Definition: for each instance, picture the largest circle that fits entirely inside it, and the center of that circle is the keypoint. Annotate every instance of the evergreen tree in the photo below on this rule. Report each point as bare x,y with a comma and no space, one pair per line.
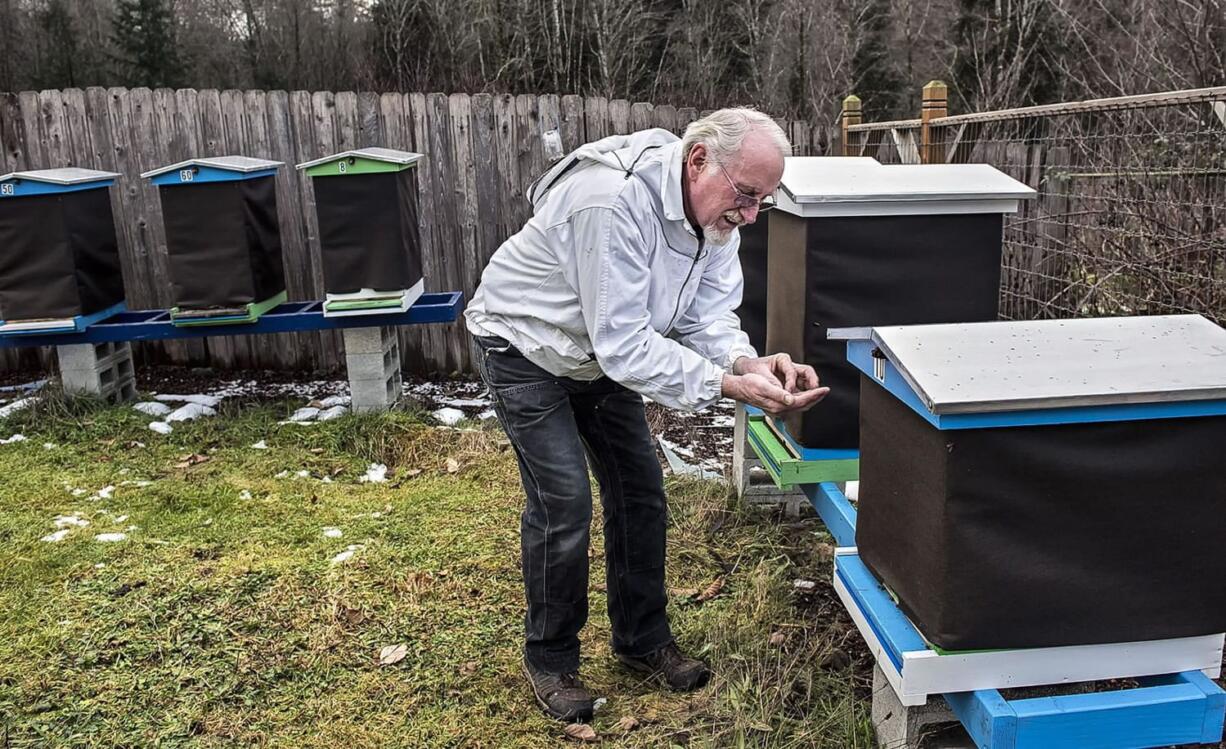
144,33
873,68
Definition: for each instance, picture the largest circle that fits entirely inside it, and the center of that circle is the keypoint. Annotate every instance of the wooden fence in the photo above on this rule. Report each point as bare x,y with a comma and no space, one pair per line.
481,151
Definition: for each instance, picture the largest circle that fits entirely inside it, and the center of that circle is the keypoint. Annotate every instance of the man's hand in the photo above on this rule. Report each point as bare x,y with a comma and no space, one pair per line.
787,374
774,384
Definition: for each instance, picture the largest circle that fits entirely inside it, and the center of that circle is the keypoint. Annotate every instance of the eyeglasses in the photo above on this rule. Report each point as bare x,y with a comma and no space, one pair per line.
764,204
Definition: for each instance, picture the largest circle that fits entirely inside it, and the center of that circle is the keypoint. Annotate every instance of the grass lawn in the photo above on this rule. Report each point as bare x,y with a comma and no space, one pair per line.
222,618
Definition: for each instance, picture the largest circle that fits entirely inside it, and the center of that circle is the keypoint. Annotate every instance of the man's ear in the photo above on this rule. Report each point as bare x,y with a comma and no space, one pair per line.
697,160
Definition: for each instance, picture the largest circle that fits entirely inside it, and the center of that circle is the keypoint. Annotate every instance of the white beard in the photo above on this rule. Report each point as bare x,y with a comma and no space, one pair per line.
716,235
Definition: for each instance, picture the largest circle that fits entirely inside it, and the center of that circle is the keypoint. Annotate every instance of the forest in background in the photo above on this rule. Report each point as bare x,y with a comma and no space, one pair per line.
792,58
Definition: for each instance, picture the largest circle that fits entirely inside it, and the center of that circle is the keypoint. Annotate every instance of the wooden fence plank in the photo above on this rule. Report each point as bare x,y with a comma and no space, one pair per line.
640,116
596,118
431,262
619,117
446,228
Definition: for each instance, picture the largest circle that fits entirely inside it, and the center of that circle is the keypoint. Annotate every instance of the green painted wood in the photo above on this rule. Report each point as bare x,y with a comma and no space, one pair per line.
786,471
354,165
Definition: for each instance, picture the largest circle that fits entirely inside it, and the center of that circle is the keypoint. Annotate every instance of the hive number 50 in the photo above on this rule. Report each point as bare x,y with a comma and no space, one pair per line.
6,189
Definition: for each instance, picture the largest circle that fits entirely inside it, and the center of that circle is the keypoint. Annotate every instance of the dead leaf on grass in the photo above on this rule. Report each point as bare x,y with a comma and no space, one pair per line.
453,465
412,472
193,460
627,724
683,592
777,639
393,654
715,588
468,669
580,732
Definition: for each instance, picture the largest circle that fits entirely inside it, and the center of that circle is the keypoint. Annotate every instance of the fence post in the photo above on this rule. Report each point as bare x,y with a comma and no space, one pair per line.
849,116
935,104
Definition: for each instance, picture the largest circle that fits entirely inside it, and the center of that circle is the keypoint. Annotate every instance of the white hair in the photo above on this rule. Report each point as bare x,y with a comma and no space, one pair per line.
724,130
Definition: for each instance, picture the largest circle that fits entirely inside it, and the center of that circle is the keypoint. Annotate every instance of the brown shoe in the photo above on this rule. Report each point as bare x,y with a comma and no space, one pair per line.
671,667
561,696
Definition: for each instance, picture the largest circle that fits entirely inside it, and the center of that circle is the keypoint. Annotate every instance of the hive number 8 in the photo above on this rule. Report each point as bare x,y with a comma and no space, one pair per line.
6,189
342,167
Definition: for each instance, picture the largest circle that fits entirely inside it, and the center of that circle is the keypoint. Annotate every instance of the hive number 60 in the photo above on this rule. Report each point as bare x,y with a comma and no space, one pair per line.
185,175
6,189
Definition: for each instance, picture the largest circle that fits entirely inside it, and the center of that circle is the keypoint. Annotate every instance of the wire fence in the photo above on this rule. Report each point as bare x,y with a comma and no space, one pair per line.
1130,217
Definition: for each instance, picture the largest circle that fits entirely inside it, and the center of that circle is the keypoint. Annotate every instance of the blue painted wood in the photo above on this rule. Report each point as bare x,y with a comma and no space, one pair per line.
24,188
1125,719
893,629
835,510
75,325
859,353
151,325
206,174
987,717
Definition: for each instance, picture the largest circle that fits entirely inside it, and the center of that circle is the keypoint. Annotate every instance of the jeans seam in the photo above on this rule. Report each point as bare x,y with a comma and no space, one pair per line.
612,475
536,486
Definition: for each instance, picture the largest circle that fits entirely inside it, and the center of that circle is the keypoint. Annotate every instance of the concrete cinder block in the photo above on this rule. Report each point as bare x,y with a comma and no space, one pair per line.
368,340
372,359
930,726
372,396
103,370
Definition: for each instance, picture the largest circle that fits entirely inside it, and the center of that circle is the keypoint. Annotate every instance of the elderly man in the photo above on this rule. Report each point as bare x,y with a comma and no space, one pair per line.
622,286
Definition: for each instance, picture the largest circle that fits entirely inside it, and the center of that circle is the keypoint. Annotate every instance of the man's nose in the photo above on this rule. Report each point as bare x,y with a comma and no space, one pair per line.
750,214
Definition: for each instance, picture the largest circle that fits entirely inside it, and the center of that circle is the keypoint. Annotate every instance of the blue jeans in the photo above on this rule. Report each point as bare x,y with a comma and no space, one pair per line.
558,427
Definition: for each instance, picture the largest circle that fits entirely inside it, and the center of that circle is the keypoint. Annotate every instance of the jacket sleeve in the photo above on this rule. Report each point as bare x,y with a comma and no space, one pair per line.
612,269
710,325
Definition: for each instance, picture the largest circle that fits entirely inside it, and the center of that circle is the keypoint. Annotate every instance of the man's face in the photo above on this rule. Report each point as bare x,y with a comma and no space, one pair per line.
755,171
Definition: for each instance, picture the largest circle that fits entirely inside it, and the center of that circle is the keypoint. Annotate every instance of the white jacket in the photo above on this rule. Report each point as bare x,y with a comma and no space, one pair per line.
609,278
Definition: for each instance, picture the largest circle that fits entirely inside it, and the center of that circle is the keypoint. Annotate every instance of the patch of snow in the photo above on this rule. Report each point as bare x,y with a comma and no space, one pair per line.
490,414
106,492
70,521
347,554
15,406
244,494
326,479
852,490
14,438
198,399
448,416
333,533
153,408
121,518
49,445
305,414
302,474
110,538
161,427
79,492
190,412
465,402
54,538
333,413
376,474
281,475
261,445
335,400
682,451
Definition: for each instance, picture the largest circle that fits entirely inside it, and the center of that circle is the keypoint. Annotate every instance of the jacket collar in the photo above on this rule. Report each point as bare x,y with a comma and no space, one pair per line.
670,186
